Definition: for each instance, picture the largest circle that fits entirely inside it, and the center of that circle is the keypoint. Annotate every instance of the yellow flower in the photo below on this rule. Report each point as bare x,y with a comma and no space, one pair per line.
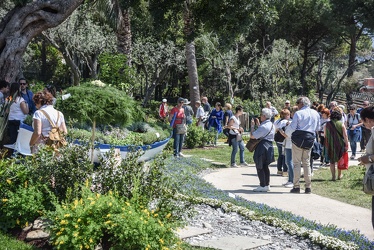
61,242
25,184
92,203
110,192
155,215
86,183
62,229
161,241
79,220
108,222
9,181
168,215
91,241
81,201
97,195
58,233
4,200
80,247
67,215
17,221
108,215
127,203
64,222
90,198
110,204
76,226
75,234
130,212
76,202
26,224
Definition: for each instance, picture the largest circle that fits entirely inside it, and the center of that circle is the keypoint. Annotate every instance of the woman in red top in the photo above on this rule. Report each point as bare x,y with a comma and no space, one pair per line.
178,111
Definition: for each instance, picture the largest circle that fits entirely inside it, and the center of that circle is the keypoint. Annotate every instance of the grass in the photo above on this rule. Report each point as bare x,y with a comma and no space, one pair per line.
8,243
347,190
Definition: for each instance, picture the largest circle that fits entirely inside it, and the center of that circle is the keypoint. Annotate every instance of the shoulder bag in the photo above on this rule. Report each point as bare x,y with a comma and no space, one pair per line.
182,128
252,143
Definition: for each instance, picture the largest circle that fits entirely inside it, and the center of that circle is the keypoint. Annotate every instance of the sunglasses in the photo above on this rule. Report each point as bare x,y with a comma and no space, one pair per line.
22,83
352,109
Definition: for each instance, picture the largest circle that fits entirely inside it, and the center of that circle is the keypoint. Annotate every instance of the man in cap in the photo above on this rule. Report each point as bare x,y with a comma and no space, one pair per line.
163,111
287,105
188,111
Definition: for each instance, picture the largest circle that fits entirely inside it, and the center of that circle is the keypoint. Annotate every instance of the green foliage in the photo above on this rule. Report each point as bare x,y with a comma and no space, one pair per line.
100,103
9,243
197,137
120,222
22,206
63,173
115,72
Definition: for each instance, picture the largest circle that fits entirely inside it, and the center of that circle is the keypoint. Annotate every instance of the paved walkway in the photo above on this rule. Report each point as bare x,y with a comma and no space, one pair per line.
241,181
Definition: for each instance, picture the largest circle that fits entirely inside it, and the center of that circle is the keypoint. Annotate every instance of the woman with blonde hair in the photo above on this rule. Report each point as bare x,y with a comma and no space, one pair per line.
42,119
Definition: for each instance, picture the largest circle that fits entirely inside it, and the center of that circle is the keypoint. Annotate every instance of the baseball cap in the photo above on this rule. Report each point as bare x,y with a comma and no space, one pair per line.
164,100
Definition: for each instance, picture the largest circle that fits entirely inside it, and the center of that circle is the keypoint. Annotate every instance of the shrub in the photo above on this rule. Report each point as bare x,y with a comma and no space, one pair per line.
64,172
111,221
197,137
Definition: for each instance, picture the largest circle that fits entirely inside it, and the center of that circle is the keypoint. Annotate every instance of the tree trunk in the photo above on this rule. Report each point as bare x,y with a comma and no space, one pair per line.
192,74
191,55
22,24
124,35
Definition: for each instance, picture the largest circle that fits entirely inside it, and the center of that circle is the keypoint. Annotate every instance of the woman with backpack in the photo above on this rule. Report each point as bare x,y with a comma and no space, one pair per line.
44,120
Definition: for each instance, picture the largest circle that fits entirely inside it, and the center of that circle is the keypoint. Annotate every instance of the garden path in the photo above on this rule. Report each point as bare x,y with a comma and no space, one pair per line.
241,181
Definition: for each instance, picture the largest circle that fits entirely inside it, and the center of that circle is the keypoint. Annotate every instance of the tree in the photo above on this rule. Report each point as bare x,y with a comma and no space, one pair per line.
22,23
81,40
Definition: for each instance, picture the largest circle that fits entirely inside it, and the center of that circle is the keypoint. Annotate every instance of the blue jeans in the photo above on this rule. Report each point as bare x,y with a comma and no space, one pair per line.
235,144
353,138
178,142
289,163
281,165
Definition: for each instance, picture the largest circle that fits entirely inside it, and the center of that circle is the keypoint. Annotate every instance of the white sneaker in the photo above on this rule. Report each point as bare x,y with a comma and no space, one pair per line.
267,188
234,165
244,164
288,185
261,189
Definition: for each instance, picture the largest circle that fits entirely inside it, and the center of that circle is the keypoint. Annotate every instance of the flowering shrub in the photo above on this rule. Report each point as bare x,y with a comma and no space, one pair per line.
111,221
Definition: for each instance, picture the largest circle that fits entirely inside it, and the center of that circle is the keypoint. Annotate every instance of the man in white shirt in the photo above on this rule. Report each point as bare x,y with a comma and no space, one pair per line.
303,129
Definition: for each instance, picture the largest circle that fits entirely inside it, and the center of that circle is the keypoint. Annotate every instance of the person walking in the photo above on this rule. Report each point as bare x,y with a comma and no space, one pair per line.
336,141
354,129
188,112
288,150
226,118
280,125
235,138
367,116
264,152
215,120
304,126
163,110
199,114
177,114
365,132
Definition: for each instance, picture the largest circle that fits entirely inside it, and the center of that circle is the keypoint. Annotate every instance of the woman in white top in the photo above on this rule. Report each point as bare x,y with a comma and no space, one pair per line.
42,127
235,139
17,112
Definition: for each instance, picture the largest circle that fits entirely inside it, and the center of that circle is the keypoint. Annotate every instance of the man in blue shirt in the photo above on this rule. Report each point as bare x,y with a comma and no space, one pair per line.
27,95
303,128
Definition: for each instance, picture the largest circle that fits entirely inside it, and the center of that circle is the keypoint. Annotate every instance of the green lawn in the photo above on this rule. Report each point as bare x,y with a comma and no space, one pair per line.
348,190
8,243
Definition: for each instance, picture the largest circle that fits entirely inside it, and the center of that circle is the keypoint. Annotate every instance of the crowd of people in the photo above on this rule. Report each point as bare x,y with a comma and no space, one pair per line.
295,130
18,101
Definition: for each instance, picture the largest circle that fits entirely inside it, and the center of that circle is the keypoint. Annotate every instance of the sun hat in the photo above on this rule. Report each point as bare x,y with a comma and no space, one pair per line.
288,102
164,100
186,101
